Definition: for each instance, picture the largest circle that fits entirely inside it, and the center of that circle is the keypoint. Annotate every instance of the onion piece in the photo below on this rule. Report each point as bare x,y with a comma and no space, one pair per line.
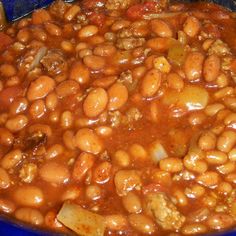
157,151
39,55
161,15
81,221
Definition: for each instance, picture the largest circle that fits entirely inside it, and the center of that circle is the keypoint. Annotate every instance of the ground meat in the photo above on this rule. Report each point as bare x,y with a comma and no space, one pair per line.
119,4
28,172
164,211
130,43
132,115
219,48
114,118
58,9
54,63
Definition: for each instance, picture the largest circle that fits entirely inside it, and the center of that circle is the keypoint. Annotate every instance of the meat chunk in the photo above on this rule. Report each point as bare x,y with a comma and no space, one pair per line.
164,211
28,172
54,63
119,4
130,43
219,48
58,9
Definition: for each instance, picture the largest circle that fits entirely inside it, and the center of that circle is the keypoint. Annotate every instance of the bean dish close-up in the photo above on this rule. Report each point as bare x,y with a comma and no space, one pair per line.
118,117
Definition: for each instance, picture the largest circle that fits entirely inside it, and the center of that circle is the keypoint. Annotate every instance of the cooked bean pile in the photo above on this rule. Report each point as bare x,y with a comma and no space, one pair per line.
125,109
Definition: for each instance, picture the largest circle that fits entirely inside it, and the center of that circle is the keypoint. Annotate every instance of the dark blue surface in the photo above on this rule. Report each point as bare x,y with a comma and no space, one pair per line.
15,9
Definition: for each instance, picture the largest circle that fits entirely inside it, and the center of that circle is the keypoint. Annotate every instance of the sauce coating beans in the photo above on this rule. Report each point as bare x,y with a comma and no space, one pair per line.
118,117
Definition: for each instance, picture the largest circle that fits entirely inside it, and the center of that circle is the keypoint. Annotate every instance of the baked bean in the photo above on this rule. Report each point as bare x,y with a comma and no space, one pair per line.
13,81
224,188
50,220
18,106
83,163
104,50
6,137
72,12
51,101
67,119
93,192
121,158
11,159
224,92
207,141
213,109
94,62
192,164
180,197
40,16
5,181
48,170
151,83
211,68
209,201
37,109
216,157
67,46
126,181
67,88
87,31
23,35
40,88
95,40
71,193
161,177
196,191
208,179
230,119
193,66
40,34
226,141
222,80
192,26
138,152
132,203
118,96
29,215
45,129
226,168
28,195
120,24
116,222
231,178
232,155
102,173
52,29
159,44
7,206
220,221
69,139
54,151
161,28
96,102
199,215
7,70
79,73
175,81
16,123
104,131
88,141
171,164
85,52
194,228
142,223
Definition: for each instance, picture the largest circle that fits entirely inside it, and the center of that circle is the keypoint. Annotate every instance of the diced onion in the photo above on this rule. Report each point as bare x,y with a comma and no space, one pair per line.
157,151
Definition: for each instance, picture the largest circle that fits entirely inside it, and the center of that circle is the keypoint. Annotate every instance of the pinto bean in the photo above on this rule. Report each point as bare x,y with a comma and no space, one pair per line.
211,68
67,88
192,26
79,73
11,159
161,28
118,96
96,102
151,83
40,88
88,141
193,66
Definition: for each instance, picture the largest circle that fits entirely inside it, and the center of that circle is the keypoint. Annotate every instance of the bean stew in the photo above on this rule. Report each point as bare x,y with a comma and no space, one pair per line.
118,117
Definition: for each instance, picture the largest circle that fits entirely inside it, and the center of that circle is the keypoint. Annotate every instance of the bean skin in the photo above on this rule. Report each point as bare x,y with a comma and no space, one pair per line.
40,88
95,103
88,141
118,96
193,66
211,68
29,195
151,83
